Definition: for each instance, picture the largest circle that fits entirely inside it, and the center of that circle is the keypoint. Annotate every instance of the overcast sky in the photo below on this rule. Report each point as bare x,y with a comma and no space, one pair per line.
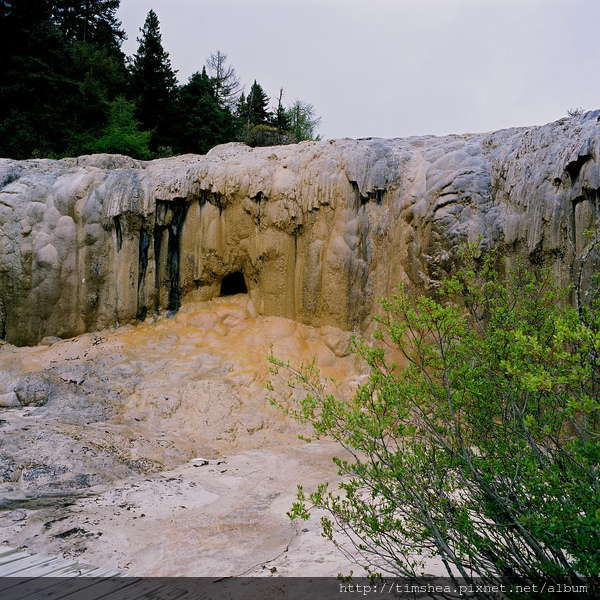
395,68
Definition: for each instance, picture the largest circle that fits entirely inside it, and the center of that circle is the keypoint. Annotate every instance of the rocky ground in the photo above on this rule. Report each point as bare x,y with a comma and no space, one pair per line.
217,518
152,449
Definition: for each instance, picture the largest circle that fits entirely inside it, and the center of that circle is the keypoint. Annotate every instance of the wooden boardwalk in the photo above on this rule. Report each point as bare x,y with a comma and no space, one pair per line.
26,576
19,563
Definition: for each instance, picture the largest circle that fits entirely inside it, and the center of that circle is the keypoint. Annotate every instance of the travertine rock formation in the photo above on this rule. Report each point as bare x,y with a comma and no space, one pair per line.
151,449
315,231
141,399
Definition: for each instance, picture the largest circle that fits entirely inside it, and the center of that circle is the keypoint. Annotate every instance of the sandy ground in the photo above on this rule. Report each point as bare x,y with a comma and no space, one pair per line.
153,450
217,518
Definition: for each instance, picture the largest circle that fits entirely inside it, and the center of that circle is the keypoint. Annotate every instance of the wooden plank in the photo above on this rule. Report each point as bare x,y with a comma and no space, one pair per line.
77,588
27,576
13,569
48,569
75,570
147,588
18,563
103,588
139,590
174,593
7,551
99,572
12,555
49,588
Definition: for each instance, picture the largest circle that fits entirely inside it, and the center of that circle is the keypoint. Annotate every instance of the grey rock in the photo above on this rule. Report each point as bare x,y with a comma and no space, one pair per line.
9,400
319,230
35,389
10,517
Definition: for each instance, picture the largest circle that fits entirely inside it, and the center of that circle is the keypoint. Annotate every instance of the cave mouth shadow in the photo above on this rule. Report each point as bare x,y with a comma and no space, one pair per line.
232,284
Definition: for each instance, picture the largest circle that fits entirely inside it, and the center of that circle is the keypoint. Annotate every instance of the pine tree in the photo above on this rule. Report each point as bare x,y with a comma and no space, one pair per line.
241,110
97,65
101,78
61,66
122,134
258,103
35,86
93,21
205,123
153,84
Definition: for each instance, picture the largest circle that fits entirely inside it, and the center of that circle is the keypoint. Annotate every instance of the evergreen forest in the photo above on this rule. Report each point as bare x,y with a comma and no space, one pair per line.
67,88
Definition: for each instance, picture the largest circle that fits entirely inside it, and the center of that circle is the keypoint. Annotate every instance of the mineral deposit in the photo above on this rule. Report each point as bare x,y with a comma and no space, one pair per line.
315,232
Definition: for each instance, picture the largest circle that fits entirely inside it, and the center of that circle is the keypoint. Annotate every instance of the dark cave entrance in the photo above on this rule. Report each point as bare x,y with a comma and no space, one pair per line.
234,283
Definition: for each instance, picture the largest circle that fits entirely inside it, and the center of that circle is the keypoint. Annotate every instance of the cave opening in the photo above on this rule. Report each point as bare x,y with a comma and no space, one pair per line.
575,166
234,283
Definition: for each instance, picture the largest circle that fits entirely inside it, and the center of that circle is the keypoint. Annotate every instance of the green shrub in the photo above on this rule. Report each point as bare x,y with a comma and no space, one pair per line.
484,450
122,134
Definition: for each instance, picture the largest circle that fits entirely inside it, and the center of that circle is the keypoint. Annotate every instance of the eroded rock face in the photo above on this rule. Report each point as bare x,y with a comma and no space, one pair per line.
315,231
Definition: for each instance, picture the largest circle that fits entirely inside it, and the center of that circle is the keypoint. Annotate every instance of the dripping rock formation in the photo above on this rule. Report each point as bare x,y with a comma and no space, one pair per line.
315,232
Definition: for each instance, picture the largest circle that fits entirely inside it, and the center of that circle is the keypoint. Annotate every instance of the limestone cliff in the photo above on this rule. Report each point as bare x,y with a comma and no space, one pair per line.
315,231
